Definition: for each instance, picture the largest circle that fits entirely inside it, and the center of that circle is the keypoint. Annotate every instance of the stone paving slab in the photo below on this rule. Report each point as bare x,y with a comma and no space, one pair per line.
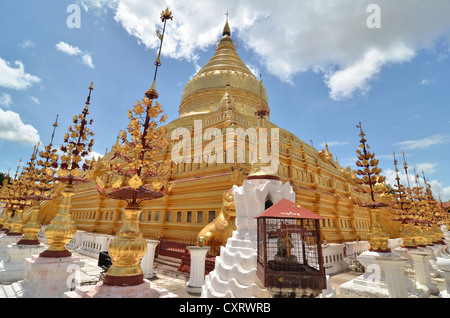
90,273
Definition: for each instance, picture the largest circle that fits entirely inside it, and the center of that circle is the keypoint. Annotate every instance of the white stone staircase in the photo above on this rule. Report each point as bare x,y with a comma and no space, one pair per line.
11,291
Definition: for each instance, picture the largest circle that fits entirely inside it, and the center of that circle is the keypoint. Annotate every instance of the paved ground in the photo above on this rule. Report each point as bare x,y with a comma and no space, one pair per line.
175,282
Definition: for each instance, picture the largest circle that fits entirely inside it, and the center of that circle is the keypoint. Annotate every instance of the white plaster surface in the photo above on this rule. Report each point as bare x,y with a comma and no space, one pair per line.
235,271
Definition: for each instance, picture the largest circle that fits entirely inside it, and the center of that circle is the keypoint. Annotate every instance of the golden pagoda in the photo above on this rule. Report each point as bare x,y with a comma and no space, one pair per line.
225,94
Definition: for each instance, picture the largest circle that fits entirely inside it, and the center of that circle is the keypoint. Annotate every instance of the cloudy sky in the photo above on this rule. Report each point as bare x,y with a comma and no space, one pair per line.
327,65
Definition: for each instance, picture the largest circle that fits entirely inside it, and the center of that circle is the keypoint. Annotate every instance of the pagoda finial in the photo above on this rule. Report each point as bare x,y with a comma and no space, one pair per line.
226,29
262,110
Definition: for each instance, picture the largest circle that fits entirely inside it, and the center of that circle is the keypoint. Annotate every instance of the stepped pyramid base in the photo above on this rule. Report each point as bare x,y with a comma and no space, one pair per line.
15,268
5,241
235,273
236,266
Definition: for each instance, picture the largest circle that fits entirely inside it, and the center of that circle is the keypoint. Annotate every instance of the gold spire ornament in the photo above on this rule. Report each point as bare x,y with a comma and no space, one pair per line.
75,148
7,198
4,199
413,209
19,192
407,232
137,161
434,215
40,191
371,183
260,170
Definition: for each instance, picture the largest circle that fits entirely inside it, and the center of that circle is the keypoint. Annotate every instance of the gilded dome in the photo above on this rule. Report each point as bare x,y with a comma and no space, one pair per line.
202,94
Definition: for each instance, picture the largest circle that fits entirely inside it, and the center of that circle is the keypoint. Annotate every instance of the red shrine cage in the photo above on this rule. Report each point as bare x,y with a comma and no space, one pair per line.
289,247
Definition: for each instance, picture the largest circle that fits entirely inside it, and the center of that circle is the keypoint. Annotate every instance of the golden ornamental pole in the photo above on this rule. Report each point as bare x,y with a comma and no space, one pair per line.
9,193
140,157
40,180
414,209
17,192
24,183
406,228
3,198
62,228
370,182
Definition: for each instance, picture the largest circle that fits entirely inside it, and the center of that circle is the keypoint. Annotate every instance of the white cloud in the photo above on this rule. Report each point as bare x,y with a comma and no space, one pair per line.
334,143
5,100
16,78
75,51
35,100
424,143
439,189
427,81
254,70
67,48
13,129
441,57
87,59
27,43
391,175
330,37
427,168
357,76
94,155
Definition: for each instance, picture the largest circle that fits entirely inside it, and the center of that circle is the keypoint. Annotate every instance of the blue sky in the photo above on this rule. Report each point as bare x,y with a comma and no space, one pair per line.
323,67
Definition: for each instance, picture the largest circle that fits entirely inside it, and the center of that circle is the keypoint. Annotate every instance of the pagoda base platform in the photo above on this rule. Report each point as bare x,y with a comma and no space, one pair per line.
5,241
383,278
443,263
15,267
47,278
145,290
234,275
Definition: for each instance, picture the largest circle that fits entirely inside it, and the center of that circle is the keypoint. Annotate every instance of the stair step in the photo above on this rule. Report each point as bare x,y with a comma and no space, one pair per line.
8,292
17,289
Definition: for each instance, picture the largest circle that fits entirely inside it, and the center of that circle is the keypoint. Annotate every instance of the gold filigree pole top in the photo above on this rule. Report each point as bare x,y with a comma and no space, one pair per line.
165,15
75,147
369,171
137,158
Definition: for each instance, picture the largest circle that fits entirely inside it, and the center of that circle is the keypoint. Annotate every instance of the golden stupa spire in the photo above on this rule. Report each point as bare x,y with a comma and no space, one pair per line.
208,85
226,29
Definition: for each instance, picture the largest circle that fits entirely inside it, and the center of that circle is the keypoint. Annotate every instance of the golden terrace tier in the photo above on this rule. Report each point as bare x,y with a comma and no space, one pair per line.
225,94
